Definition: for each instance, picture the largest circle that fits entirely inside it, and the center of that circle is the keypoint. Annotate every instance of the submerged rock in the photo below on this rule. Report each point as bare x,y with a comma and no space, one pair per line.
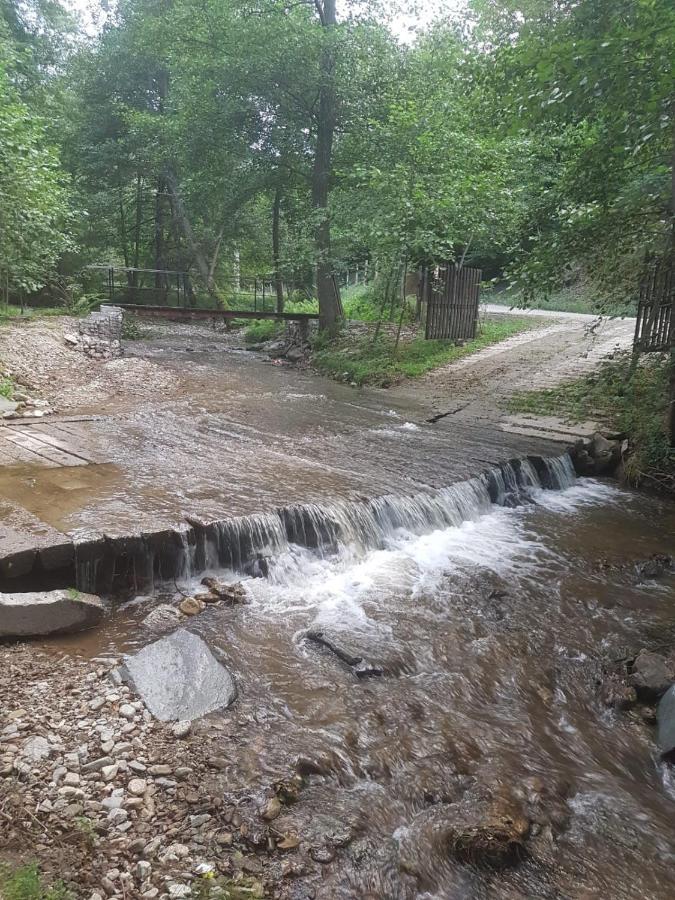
656,566
179,678
360,667
229,593
652,674
478,829
163,618
48,612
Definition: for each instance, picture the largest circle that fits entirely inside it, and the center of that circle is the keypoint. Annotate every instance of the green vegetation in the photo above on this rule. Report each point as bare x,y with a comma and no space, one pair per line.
628,400
6,388
30,312
380,363
261,330
26,883
575,298
305,140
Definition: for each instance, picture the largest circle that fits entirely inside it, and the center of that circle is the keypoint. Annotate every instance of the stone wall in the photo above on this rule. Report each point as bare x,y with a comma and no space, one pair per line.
100,333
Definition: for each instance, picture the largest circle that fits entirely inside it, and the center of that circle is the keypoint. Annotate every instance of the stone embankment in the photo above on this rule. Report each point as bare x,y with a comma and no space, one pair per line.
120,805
99,335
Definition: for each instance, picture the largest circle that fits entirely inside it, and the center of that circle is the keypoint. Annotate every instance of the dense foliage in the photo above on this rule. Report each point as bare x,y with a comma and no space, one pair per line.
239,137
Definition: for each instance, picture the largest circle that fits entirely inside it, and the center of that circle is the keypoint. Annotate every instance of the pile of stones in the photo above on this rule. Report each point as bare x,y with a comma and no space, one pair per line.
99,334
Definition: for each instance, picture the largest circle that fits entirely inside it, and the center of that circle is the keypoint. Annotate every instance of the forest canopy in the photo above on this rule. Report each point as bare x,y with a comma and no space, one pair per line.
534,139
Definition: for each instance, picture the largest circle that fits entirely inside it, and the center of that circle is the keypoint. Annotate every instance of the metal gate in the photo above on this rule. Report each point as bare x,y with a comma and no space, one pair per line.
450,297
655,328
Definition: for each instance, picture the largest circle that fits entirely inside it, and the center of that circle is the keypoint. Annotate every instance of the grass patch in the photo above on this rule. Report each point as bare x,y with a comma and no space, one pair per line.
30,312
380,364
634,403
261,330
26,883
6,388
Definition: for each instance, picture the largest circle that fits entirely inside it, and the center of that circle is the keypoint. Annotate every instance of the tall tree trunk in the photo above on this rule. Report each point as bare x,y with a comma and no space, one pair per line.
276,249
330,307
671,397
137,228
123,228
160,257
186,228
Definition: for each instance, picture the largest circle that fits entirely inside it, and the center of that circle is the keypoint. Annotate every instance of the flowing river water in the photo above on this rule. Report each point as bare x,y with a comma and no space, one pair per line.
493,625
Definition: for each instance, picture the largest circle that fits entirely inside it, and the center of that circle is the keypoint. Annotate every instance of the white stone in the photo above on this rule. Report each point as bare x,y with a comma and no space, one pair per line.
127,711
117,816
143,870
181,729
137,786
36,749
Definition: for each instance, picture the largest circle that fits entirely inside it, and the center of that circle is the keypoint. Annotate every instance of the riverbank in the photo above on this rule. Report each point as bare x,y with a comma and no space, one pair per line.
626,399
502,645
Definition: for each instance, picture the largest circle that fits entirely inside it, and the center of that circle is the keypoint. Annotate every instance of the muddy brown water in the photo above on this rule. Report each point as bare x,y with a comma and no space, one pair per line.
492,635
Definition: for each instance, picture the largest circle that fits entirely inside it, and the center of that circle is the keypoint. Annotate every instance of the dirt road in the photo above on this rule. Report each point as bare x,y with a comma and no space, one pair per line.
560,346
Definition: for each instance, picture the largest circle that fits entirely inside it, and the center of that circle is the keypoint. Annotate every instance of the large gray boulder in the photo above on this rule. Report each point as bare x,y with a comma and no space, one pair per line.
41,613
665,717
179,678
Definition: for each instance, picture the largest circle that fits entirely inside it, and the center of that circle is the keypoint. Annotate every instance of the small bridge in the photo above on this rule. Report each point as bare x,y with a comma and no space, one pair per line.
183,312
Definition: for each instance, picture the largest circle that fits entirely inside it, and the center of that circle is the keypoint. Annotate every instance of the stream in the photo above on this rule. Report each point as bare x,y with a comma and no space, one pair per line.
491,625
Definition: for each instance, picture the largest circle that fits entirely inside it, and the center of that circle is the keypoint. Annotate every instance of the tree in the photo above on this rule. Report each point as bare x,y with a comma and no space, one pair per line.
34,203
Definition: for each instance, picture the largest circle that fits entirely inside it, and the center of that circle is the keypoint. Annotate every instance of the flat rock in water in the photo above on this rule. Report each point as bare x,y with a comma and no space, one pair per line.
163,618
665,717
179,678
48,612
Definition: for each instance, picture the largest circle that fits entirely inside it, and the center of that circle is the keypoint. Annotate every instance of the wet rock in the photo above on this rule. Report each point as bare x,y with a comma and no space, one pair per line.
479,829
599,456
652,674
191,606
616,694
228,593
665,718
258,568
656,566
178,678
360,667
48,612
163,618
272,809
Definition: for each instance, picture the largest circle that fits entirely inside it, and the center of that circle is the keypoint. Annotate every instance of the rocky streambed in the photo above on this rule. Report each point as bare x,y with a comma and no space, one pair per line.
465,708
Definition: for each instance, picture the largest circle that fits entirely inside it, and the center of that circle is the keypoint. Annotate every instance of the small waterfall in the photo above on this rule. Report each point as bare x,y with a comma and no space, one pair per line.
245,544
238,544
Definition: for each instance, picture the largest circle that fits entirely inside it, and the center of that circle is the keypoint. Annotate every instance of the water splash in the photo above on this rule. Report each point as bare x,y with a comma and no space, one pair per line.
246,544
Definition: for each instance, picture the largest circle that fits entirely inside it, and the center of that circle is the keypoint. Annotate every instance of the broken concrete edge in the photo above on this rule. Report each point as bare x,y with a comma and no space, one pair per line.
46,613
107,564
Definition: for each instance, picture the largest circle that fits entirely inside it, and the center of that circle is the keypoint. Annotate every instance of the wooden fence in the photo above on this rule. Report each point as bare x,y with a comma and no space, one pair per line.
450,298
655,327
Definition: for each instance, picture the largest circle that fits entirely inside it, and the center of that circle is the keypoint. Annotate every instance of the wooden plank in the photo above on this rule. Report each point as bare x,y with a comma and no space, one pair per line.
60,444
43,450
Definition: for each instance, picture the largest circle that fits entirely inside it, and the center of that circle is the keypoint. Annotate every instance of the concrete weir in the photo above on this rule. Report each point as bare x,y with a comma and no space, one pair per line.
118,564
